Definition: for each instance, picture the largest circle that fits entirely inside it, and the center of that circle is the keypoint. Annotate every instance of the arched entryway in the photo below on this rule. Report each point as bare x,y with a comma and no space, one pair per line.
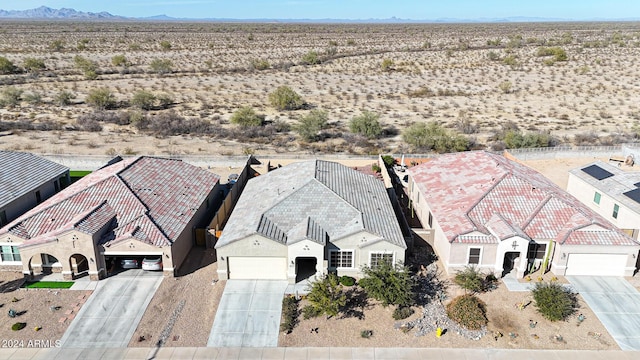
510,262
305,268
42,264
79,266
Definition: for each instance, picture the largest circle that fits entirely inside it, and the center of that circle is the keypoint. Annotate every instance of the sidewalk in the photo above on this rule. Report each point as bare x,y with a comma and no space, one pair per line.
311,354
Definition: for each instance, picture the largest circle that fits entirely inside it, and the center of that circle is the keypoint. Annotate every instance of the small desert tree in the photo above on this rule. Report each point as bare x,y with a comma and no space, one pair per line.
246,117
143,99
432,136
7,66
284,98
554,301
326,296
101,99
391,284
366,124
470,279
311,124
161,66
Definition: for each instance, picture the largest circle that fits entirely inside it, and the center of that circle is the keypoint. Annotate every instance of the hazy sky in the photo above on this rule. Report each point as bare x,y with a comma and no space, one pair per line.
348,9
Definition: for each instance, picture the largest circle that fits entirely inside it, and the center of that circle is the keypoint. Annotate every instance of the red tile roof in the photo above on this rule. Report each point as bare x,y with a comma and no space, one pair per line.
151,199
483,198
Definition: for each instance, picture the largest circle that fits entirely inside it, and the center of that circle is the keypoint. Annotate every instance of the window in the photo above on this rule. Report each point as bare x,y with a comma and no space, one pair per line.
341,259
430,220
3,218
56,185
38,197
596,198
474,256
537,251
9,253
616,209
376,259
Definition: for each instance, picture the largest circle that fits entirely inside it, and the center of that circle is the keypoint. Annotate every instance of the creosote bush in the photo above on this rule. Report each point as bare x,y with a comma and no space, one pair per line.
310,125
246,117
7,66
468,311
161,66
101,99
366,124
284,98
144,100
432,136
10,96
32,65
554,301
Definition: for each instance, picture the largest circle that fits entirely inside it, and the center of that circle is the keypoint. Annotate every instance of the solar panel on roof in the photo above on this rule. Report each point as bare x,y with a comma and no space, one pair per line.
633,195
597,172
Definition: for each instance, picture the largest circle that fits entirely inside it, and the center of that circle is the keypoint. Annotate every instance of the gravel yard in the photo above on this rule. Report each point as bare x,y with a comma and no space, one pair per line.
43,308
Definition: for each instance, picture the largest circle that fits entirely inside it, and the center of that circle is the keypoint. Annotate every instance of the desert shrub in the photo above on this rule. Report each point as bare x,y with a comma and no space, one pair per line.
246,117
82,44
310,125
101,99
493,56
259,64
402,312
514,139
465,126
165,45
88,123
144,100
366,124
311,58
326,296
510,60
468,311
164,100
88,68
432,136
388,160
365,334
376,168
391,284
284,98
470,279
387,65
33,65
161,66
57,45
290,314
119,118
64,98
7,66
119,60
347,280
505,86
10,96
33,98
553,301
18,326
558,53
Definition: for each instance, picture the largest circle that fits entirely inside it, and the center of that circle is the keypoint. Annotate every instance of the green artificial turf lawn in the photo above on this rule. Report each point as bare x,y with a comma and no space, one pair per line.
78,173
49,285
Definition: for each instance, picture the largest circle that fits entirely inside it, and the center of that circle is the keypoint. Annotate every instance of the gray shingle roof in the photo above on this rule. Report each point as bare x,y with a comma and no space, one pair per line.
313,199
21,173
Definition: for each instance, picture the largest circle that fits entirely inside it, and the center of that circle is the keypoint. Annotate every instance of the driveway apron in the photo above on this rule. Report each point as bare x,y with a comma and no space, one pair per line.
616,303
249,314
112,313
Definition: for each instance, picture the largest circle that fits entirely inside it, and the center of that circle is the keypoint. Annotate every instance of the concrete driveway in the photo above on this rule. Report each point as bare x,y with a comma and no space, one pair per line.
616,303
249,314
113,311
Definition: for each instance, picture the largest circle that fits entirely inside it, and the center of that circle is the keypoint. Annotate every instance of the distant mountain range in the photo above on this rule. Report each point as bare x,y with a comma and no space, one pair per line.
44,12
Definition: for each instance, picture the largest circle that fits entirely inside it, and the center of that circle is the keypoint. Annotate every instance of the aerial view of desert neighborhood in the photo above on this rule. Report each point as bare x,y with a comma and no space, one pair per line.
182,189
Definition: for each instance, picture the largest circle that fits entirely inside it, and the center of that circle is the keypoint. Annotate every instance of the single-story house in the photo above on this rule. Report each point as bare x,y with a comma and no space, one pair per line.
484,210
307,219
143,206
25,181
611,192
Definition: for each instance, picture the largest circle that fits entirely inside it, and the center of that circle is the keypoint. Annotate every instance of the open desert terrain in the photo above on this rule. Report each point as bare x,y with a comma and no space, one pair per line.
570,83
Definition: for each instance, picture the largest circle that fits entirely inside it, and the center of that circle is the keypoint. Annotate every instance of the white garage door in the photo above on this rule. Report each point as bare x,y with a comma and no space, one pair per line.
596,264
258,268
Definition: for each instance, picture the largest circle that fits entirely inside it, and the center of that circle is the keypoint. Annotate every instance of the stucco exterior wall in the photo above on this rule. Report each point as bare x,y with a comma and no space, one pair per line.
305,249
627,218
562,252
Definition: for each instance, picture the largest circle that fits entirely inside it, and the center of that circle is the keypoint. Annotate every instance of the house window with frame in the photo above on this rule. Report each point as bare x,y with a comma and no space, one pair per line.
9,253
616,210
474,256
537,251
596,198
341,259
378,258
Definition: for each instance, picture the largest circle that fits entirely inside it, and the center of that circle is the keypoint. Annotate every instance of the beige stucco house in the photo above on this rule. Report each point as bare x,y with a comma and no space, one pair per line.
143,206
307,219
25,181
483,210
611,192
